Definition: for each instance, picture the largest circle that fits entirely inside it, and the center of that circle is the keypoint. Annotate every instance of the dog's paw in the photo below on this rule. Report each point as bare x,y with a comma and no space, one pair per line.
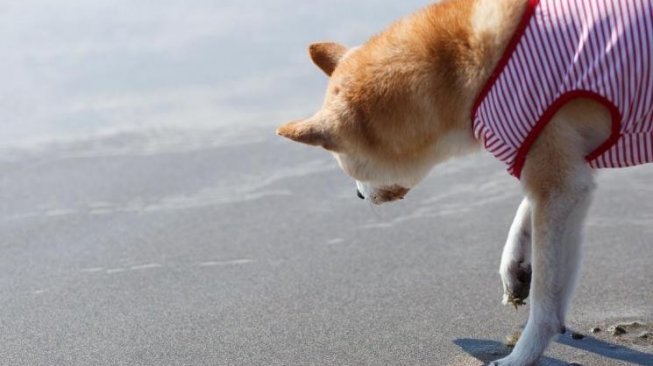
516,278
510,361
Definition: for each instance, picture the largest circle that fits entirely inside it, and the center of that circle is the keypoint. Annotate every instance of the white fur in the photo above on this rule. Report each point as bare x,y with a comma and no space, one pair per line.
546,233
455,143
555,259
488,16
517,251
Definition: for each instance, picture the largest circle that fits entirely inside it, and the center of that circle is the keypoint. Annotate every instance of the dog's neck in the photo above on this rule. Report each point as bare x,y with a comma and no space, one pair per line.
469,41
493,24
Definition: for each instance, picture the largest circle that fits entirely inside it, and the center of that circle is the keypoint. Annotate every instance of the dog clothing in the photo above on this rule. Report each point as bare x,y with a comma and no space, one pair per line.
565,49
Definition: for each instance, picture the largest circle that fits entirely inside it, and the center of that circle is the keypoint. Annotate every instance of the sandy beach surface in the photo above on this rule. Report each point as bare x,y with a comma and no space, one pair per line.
208,248
150,216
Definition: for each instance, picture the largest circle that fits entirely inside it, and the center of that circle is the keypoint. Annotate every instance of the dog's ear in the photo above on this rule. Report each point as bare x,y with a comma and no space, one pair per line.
310,132
327,55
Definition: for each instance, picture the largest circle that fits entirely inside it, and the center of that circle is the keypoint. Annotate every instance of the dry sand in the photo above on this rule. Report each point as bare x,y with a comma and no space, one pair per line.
191,252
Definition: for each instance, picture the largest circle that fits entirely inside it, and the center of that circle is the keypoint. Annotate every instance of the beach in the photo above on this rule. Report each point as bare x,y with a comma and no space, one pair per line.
150,216
256,251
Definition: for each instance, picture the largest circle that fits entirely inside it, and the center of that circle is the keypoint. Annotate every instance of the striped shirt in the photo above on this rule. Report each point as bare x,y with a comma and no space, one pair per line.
564,49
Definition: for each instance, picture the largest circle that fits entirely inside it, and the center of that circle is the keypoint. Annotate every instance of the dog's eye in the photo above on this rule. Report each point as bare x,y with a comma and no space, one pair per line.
336,90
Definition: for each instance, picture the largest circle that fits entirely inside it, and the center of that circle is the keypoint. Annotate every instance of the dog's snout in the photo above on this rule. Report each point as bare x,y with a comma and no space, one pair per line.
359,194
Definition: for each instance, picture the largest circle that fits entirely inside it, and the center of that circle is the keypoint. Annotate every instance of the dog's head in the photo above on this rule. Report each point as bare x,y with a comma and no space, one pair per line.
388,114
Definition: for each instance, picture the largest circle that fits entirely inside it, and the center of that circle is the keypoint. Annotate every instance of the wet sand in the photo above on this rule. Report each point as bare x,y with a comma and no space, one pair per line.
204,248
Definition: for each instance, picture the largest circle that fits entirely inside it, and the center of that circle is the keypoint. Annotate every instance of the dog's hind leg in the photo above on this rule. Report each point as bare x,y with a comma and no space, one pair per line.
515,269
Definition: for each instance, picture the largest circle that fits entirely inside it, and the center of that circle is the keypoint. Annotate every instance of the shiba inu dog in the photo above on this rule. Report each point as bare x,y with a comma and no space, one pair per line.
553,88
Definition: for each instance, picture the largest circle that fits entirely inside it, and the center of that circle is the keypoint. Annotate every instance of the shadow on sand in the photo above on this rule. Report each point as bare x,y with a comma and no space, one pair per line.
487,350
605,349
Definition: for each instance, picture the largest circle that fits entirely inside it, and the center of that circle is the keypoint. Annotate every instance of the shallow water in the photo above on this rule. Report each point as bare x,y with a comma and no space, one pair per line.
78,68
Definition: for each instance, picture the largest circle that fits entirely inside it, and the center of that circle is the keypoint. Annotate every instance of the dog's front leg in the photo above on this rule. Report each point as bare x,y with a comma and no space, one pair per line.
515,269
558,214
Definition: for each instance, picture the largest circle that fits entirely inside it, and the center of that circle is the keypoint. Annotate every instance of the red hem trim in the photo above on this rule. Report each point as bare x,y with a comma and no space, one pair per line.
520,158
503,61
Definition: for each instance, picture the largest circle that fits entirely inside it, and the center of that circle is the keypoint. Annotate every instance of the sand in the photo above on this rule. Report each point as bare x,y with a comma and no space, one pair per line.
253,251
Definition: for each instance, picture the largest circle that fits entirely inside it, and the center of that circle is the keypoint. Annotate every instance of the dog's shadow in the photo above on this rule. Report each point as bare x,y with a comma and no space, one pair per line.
488,350
605,349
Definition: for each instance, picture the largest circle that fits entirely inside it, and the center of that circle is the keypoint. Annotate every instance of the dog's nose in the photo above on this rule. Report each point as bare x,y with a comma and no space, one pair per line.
360,195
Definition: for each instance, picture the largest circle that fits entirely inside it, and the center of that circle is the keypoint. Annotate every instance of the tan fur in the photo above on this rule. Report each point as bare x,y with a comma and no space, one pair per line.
405,96
327,55
402,102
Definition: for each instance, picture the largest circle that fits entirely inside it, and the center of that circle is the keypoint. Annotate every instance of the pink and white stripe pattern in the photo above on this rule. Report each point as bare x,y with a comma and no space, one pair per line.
600,49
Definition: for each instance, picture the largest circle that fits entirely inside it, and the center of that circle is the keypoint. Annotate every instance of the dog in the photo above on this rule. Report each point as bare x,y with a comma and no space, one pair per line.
555,89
